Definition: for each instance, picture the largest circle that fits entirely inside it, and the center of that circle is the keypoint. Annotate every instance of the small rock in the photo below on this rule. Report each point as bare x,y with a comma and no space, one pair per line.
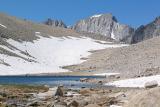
59,104
61,86
118,77
100,82
73,104
34,104
1,98
92,105
3,94
83,103
83,79
59,92
151,84
47,86
56,98
71,94
50,105
85,91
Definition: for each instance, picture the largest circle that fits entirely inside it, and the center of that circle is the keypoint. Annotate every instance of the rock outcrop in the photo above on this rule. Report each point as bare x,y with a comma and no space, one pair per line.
55,23
151,84
147,98
106,25
148,31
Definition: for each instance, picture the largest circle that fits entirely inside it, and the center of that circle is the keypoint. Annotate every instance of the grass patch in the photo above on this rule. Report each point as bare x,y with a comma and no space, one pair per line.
24,88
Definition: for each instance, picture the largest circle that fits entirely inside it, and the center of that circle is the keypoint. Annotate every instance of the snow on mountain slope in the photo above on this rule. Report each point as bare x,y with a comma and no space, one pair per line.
112,35
3,25
47,55
96,16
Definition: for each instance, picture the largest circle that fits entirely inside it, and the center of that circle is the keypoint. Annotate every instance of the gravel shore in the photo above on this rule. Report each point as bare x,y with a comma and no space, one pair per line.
136,60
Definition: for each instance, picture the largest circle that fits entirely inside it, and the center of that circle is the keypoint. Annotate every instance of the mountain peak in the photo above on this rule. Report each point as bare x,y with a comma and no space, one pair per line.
107,15
55,23
157,20
105,25
96,16
148,31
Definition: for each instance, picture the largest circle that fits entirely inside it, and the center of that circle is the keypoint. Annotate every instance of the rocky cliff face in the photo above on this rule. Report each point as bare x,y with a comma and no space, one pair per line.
148,31
55,23
106,25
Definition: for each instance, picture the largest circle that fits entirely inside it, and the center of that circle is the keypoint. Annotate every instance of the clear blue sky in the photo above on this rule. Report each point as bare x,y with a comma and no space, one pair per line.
131,12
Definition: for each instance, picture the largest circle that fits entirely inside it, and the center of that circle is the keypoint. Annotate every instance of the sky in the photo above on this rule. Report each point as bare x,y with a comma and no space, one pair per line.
131,12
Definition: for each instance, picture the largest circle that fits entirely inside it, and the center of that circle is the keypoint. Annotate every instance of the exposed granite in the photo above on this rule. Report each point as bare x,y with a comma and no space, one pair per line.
106,25
148,31
55,23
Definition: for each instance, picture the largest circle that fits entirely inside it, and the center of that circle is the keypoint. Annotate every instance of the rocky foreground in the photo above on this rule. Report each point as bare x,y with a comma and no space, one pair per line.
44,96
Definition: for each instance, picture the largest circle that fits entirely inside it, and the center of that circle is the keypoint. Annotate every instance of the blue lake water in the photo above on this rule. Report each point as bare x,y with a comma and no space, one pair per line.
67,81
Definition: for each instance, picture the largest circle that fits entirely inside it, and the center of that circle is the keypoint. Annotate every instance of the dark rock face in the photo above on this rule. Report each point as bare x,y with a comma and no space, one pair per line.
148,31
55,23
59,92
106,25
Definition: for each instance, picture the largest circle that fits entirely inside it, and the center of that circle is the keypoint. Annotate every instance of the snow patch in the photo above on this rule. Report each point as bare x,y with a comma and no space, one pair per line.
47,94
135,82
37,32
106,74
96,16
3,25
104,42
115,106
72,94
112,35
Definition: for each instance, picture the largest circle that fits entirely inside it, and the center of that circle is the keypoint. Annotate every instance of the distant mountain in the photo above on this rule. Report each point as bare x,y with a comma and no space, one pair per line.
31,48
106,25
55,23
148,31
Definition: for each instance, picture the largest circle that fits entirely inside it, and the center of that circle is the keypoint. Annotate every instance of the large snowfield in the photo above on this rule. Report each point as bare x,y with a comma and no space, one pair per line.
50,54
